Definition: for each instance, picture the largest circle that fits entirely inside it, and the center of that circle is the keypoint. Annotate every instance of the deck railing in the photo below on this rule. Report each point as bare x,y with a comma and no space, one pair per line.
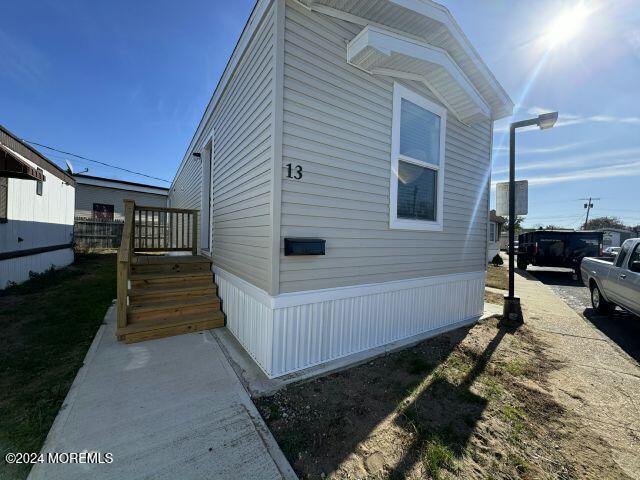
152,229
159,229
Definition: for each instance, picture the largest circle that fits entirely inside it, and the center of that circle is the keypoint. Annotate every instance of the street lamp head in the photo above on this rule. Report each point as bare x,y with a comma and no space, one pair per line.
547,120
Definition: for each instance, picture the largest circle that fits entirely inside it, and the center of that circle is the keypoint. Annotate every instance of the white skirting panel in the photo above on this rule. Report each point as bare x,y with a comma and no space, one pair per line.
249,316
16,270
298,330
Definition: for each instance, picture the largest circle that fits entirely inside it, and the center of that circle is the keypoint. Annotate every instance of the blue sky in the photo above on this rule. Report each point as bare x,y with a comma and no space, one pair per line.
126,83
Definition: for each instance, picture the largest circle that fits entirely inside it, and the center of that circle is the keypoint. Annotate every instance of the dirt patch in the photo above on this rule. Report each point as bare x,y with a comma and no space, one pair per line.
493,297
472,403
498,276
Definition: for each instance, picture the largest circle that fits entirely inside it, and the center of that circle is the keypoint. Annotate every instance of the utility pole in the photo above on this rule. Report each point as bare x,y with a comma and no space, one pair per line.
588,206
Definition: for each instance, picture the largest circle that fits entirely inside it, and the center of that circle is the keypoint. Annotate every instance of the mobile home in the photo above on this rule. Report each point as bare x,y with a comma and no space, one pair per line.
36,212
102,198
342,172
615,237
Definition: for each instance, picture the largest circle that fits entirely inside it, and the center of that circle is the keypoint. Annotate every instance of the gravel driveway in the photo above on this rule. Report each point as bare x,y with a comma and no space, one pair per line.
620,327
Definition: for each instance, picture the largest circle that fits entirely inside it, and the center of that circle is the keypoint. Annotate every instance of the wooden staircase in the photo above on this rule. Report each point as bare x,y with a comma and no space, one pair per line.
163,295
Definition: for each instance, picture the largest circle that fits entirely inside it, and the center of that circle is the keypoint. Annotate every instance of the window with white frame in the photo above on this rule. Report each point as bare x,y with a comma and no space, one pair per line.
417,161
493,227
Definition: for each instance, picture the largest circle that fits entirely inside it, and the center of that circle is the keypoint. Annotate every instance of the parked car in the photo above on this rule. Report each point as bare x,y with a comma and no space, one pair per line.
557,248
611,251
615,283
515,247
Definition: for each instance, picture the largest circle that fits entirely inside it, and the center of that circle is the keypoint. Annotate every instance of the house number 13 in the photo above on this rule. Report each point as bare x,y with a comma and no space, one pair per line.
290,171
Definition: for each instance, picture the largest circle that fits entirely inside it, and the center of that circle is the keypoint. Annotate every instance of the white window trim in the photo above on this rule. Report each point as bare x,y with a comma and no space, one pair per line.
400,92
493,230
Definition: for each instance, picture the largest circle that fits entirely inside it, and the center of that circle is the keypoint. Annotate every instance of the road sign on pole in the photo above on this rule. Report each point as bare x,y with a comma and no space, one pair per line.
522,198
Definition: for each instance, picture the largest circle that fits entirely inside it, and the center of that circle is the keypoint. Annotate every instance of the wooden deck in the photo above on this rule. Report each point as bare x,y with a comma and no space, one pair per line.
163,295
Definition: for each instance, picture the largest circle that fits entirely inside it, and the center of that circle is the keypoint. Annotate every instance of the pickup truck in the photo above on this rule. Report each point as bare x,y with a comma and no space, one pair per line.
615,283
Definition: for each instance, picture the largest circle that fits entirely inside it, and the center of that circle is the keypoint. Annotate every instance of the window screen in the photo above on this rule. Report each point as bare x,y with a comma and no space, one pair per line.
419,133
417,187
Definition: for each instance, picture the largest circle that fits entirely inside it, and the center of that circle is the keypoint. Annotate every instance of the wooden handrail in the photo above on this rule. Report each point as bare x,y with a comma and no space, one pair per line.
167,209
125,252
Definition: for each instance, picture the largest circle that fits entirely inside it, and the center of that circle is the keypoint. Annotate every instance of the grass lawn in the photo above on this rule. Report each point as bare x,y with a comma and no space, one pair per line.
498,277
46,327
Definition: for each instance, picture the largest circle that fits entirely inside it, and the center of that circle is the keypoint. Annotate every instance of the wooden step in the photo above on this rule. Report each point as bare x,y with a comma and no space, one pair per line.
168,292
163,259
175,267
158,329
165,310
143,280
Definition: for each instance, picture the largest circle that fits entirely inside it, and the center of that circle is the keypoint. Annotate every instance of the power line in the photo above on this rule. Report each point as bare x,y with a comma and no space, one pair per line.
97,161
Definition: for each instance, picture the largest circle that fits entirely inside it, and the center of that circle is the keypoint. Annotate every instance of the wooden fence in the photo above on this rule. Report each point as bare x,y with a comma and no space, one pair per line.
97,233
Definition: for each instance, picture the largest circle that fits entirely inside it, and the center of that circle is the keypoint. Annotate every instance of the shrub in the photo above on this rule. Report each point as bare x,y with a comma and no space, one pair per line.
497,260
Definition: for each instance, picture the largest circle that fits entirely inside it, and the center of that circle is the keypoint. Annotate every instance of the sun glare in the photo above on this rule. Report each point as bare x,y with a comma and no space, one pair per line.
566,26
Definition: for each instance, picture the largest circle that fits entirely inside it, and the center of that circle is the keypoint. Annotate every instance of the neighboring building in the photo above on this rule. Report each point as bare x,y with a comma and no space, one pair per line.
343,168
503,238
614,237
102,198
36,212
495,230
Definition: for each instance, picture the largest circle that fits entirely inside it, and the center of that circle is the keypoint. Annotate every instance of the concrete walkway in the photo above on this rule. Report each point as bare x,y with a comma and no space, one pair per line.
165,409
597,380
499,291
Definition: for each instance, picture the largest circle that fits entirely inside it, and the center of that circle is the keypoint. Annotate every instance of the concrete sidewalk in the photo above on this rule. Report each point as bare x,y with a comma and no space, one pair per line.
598,380
165,409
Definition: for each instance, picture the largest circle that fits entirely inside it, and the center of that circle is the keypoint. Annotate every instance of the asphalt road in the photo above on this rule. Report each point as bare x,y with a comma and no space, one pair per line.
621,327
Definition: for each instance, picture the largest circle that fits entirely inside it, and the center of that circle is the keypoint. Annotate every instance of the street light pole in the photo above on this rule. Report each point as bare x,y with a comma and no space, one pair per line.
512,208
512,313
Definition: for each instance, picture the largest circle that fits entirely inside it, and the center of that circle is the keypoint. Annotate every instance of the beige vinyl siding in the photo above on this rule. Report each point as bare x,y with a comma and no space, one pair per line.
186,188
87,195
337,126
242,130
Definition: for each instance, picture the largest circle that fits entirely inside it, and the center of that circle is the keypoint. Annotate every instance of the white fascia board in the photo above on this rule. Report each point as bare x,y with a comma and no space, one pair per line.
258,13
440,14
387,42
120,186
